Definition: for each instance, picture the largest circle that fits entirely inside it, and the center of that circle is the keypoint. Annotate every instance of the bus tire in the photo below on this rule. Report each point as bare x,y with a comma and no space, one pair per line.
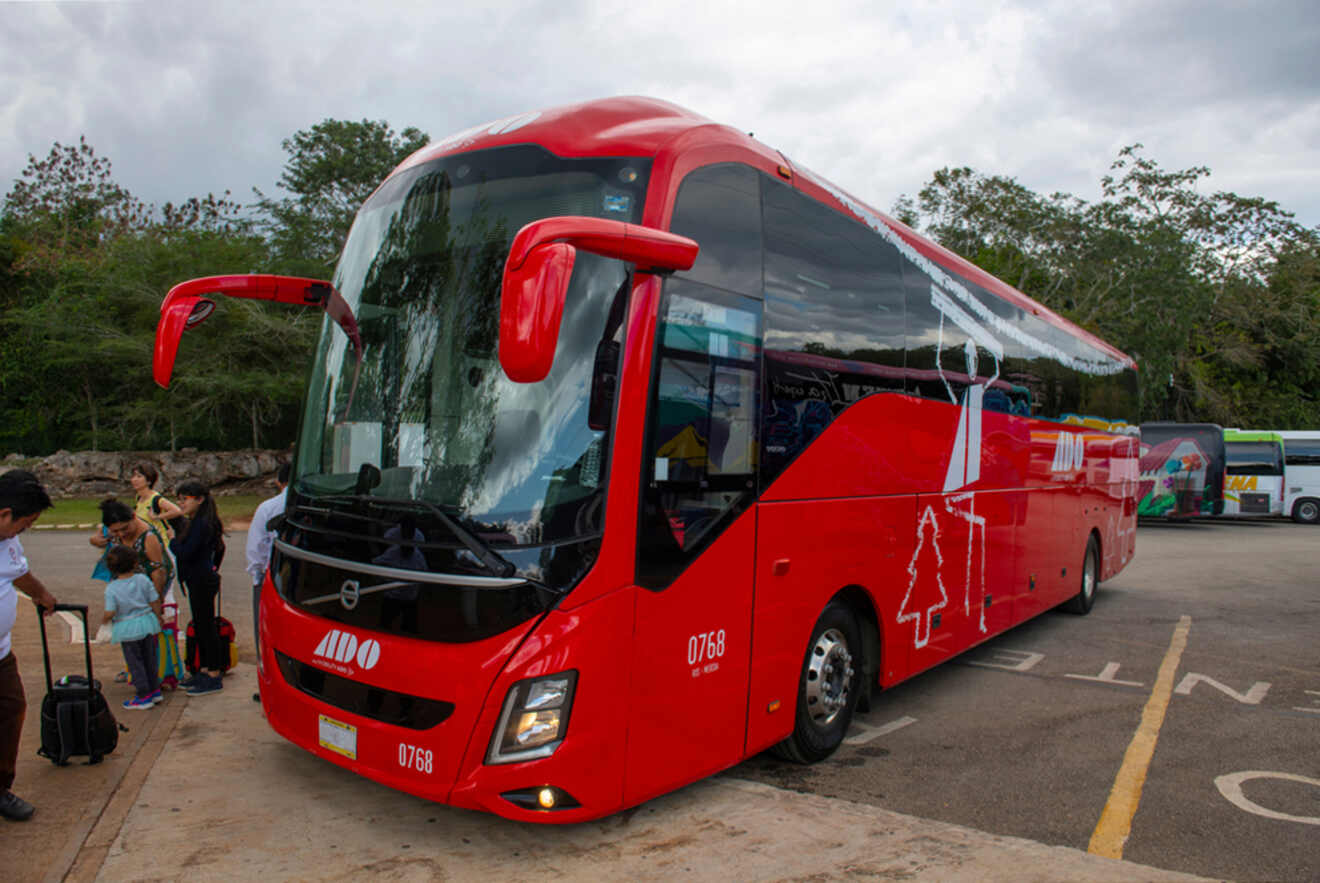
1085,597
828,688
1306,511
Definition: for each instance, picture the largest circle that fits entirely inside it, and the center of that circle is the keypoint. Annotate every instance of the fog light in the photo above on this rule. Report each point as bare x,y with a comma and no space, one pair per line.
543,798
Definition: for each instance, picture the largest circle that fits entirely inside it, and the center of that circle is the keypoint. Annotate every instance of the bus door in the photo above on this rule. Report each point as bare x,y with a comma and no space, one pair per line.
696,542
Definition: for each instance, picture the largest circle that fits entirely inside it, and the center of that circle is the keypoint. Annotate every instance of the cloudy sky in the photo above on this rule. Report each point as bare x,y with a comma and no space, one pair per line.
189,98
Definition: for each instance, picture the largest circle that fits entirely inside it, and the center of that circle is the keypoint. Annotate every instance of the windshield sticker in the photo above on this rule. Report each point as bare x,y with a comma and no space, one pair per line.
617,203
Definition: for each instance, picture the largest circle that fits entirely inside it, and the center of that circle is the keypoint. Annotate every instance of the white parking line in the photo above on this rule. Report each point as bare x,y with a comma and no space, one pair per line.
870,733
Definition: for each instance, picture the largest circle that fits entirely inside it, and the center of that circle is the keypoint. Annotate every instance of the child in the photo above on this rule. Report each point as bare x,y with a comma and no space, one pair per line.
133,605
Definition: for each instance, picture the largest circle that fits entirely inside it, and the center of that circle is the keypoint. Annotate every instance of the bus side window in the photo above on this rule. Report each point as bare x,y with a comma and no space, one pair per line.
702,433
834,317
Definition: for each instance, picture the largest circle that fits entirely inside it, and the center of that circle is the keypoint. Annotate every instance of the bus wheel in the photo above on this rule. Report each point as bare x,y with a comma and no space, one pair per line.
1085,597
1306,511
829,687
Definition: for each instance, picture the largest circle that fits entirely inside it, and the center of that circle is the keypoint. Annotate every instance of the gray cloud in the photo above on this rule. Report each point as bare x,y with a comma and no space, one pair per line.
187,99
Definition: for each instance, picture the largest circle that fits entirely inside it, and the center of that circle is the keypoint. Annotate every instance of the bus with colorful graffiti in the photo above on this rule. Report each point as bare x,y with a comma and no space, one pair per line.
632,448
1253,473
1301,464
1182,470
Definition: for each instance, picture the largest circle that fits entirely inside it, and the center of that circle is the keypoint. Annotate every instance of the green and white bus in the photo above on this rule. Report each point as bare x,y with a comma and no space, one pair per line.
1301,476
1253,473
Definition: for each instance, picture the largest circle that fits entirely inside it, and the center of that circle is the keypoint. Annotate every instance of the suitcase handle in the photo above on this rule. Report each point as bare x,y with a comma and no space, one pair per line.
45,648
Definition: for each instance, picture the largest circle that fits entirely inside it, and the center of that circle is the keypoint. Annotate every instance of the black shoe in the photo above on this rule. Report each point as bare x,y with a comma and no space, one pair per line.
15,808
256,697
205,686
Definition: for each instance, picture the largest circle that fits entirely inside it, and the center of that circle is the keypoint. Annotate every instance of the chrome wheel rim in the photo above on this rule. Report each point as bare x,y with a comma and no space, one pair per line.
1088,576
1308,511
829,677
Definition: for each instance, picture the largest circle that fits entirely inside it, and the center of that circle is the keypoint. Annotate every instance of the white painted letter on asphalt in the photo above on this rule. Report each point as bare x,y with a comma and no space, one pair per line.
1106,676
1230,785
1025,663
1251,697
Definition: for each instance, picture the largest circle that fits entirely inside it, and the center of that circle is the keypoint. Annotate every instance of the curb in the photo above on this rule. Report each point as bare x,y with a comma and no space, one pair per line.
86,849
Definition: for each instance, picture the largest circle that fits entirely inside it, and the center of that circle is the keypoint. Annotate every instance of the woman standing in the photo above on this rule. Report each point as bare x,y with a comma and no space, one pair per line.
161,514
198,549
123,527
152,507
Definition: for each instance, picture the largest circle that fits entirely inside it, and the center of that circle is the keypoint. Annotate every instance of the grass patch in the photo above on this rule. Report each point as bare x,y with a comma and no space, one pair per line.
84,510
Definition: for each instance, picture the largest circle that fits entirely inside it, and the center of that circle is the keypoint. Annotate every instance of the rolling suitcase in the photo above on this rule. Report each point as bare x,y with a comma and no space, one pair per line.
192,652
75,718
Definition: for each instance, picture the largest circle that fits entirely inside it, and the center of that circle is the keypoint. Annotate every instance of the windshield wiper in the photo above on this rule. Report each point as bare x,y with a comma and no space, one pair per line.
493,561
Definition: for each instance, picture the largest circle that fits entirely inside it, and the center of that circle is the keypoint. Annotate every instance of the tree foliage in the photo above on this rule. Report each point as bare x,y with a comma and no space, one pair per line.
1215,294
332,168
84,265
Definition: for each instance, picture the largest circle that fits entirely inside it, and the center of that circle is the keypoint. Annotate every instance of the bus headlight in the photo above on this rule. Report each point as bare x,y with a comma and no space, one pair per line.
534,719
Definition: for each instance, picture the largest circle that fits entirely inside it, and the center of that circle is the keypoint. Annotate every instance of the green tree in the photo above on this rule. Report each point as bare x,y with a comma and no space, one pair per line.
67,203
83,268
331,170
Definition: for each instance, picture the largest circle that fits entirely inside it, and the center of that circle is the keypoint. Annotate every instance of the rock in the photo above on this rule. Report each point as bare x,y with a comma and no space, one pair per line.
106,473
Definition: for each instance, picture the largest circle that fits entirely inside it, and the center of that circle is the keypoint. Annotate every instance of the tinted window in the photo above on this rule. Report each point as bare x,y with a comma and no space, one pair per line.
720,207
834,320
701,426
1302,452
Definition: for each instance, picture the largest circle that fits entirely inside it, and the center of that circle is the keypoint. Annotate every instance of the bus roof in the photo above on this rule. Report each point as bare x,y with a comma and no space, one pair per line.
1245,435
640,126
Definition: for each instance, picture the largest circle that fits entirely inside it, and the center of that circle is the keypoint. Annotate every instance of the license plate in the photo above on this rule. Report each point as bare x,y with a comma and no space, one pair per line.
340,738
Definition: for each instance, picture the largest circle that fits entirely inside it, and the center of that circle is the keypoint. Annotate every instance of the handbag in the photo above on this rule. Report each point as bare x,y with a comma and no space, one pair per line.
102,571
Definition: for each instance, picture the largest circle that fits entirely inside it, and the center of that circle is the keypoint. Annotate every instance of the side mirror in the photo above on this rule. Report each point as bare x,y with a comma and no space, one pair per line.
184,308
538,271
531,305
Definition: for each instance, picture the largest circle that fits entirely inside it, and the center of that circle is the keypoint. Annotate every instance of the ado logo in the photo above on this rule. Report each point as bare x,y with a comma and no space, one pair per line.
1069,452
344,647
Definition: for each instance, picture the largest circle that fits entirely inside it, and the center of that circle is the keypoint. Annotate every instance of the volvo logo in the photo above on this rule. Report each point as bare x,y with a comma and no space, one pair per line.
349,593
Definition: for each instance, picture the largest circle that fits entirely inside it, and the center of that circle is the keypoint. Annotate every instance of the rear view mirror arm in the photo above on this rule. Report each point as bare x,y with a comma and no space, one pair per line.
183,308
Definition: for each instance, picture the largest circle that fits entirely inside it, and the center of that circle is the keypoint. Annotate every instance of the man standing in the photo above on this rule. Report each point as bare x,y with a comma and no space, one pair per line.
22,500
260,538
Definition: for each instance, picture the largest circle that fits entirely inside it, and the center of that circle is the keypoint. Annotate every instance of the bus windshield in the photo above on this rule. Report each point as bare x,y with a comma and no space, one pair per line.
427,415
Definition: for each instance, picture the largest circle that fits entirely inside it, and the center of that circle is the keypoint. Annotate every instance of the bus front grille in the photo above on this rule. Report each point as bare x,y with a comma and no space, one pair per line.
377,703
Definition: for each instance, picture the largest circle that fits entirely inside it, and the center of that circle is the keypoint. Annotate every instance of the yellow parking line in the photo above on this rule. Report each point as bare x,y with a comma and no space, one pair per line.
1111,834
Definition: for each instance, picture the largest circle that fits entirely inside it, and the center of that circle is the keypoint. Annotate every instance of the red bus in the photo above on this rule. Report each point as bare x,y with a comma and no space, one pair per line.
632,449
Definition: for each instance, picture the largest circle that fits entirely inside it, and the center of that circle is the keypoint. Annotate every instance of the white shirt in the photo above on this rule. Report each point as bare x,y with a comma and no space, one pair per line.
260,538
13,564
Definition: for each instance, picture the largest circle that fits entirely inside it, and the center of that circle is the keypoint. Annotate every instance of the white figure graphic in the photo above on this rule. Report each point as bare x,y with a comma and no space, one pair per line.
917,609
974,577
